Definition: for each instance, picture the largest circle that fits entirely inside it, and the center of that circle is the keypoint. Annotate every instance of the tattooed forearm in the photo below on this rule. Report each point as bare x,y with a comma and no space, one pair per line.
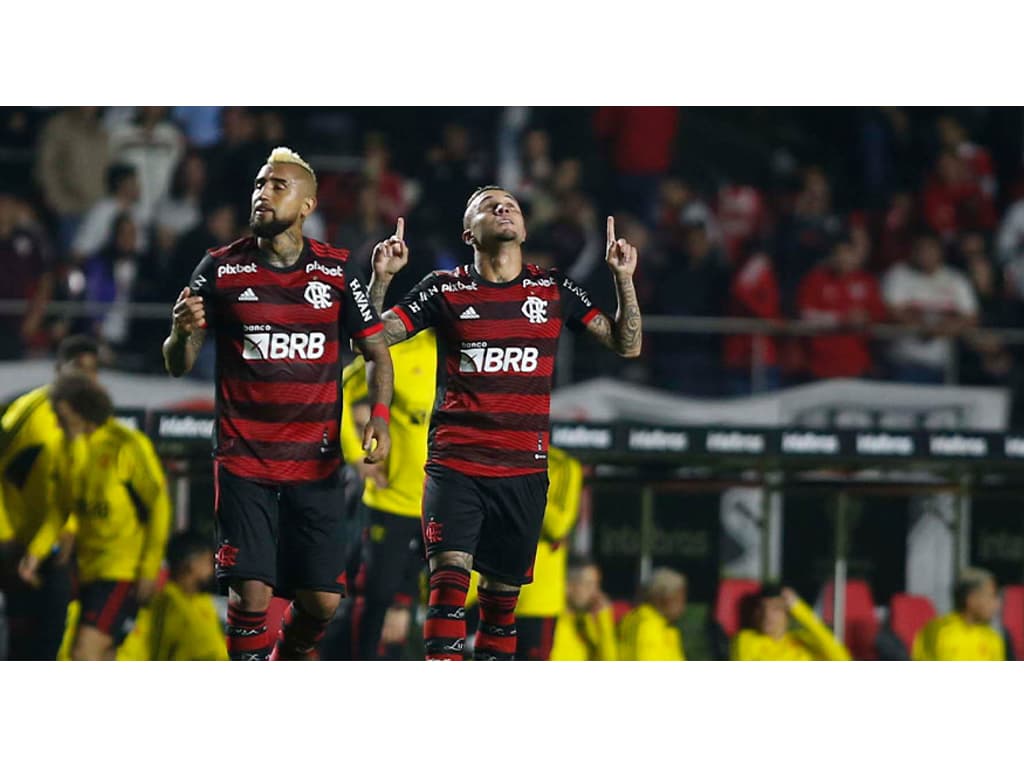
378,289
623,335
628,326
394,328
380,375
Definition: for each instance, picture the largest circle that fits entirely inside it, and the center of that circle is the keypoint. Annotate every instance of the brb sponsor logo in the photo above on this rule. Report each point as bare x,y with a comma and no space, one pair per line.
283,346
498,359
236,269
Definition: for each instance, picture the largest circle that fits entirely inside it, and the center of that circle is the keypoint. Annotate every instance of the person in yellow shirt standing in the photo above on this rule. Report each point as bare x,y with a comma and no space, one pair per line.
586,629
966,634
29,434
769,638
113,484
393,491
649,631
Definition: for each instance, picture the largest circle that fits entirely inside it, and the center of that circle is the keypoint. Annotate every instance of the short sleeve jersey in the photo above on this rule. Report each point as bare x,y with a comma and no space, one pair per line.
278,334
496,358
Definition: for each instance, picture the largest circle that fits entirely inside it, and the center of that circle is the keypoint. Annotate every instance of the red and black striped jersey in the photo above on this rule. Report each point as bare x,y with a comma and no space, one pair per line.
496,359
277,334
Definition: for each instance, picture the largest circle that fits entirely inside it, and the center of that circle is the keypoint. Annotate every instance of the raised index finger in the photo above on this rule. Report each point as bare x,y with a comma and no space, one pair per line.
400,228
611,229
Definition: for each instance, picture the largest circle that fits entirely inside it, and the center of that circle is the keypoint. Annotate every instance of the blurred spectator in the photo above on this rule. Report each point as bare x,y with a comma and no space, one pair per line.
977,160
573,237
98,225
70,166
110,278
887,150
453,172
897,236
27,265
681,207
751,361
537,168
966,634
649,631
984,358
742,217
806,237
201,124
935,302
390,186
218,227
153,145
367,227
767,636
586,631
181,624
695,283
233,163
1010,238
839,294
181,209
953,201
640,144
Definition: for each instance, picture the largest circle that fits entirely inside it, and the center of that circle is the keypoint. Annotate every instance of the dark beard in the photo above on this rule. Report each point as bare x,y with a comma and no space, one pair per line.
268,229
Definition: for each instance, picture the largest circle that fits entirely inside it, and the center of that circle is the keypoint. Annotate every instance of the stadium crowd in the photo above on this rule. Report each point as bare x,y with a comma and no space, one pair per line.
842,218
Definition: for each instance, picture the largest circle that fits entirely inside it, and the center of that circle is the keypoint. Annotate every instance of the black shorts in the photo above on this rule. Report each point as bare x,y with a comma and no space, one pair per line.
495,519
109,606
291,537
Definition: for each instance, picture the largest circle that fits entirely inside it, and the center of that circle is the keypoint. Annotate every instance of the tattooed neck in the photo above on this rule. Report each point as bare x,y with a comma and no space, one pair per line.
283,250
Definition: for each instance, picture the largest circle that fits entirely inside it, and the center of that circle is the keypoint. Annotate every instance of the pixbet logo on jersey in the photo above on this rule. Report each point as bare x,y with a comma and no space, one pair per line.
498,360
236,269
283,346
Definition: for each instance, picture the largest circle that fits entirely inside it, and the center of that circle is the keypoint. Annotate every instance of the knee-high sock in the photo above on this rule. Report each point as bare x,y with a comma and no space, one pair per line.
444,632
301,634
248,638
496,638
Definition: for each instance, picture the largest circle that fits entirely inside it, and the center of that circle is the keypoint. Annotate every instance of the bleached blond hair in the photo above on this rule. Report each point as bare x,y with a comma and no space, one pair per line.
289,155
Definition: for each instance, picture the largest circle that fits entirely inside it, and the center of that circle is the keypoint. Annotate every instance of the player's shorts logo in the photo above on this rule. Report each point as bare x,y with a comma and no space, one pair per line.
432,532
498,360
535,309
227,556
283,346
319,295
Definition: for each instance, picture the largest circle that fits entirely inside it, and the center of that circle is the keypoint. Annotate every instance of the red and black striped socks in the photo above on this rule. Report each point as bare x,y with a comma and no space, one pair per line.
248,638
496,637
301,633
444,632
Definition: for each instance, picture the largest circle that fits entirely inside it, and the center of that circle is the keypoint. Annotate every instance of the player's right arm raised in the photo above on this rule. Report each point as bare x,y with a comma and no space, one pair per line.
388,259
188,331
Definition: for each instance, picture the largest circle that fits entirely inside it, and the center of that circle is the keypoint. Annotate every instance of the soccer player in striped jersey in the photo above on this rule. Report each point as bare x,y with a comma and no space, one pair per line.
277,304
498,321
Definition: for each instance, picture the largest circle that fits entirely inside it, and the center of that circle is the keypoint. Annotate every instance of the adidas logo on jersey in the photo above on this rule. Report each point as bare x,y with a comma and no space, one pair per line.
248,295
469,314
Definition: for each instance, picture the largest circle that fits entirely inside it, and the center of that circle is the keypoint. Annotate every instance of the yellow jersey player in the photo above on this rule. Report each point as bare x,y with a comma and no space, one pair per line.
393,492
112,482
543,600
28,434
649,631
771,639
586,630
966,634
